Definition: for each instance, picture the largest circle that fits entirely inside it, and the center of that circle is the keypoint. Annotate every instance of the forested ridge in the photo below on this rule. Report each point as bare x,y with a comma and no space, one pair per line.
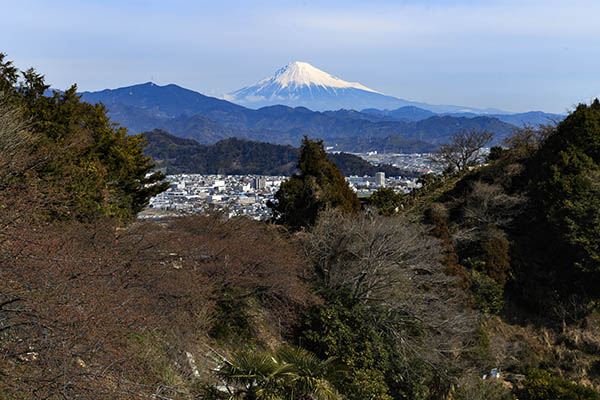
489,266
240,157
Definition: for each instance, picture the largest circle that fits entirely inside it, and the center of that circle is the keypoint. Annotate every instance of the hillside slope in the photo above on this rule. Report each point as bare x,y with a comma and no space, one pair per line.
240,157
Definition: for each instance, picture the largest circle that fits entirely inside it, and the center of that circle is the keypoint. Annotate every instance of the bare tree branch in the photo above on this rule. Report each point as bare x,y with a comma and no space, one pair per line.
465,148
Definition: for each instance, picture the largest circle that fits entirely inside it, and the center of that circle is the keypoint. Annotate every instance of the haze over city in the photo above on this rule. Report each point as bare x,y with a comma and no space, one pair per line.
511,55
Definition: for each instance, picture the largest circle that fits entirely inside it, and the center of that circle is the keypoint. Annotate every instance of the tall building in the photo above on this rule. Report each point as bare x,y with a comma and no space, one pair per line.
260,183
380,179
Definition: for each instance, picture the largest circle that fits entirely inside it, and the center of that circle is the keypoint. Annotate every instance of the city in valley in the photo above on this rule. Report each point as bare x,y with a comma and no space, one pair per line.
248,195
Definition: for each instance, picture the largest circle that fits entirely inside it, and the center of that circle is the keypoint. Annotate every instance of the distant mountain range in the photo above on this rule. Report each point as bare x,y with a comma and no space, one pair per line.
241,157
189,114
207,120
299,84
411,113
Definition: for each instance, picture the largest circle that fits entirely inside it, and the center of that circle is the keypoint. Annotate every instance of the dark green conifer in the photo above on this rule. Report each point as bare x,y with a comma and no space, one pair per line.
568,185
90,167
387,201
557,256
318,186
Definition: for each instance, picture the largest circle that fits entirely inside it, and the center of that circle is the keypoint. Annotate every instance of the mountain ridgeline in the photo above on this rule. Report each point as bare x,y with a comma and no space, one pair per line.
189,114
300,84
241,157
411,113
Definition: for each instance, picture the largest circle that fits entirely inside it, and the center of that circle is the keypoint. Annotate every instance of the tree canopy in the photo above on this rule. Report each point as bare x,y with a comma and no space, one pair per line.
465,148
567,186
88,165
319,185
387,201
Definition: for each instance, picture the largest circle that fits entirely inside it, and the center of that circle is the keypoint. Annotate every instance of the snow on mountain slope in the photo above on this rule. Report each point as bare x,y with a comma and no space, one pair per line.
300,73
301,84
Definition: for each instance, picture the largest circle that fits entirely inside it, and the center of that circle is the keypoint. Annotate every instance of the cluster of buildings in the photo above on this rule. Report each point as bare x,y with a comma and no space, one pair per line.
234,195
237,195
366,185
248,195
418,163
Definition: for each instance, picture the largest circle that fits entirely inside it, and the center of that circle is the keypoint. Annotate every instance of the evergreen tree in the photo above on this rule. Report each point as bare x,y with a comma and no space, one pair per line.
92,167
569,185
558,253
387,201
319,185
9,76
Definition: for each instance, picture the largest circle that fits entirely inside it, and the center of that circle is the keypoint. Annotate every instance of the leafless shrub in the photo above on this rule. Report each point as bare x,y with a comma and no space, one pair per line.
464,149
392,264
475,388
524,142
65,309
486,205
90,311
489,204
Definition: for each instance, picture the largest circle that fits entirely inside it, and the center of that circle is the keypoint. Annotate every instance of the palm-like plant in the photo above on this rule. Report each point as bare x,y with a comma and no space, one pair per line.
257,376
311,374
290,374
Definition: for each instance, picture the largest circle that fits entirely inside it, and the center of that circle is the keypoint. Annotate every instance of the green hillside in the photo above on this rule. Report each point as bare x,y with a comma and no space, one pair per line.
241,157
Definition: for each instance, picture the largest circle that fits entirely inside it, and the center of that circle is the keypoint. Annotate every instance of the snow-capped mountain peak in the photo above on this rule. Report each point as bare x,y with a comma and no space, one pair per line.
301,84
299,73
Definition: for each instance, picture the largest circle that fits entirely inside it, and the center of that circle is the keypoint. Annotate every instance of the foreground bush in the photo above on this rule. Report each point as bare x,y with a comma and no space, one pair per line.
87,311
394,317
540,385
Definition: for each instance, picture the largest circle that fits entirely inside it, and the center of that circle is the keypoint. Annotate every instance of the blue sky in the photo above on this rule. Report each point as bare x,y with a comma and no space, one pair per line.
509,54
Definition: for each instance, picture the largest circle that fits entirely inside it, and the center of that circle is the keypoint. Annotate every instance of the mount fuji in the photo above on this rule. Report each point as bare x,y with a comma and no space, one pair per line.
299,84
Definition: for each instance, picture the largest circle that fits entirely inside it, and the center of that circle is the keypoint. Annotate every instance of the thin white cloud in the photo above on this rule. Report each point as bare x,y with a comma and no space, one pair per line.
550,18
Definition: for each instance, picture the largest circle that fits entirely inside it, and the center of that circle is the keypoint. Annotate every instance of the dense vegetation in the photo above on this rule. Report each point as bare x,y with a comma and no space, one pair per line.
492,267
387,144
240,157
386,201
525,226
229,156
532,214
82,164
319,186
565,184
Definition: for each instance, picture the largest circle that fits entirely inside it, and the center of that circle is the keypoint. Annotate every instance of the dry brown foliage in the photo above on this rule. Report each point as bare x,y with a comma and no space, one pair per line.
448,258
74,298
87,309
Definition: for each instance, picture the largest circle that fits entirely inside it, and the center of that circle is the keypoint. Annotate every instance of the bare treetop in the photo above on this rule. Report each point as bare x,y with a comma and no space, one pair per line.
464,149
